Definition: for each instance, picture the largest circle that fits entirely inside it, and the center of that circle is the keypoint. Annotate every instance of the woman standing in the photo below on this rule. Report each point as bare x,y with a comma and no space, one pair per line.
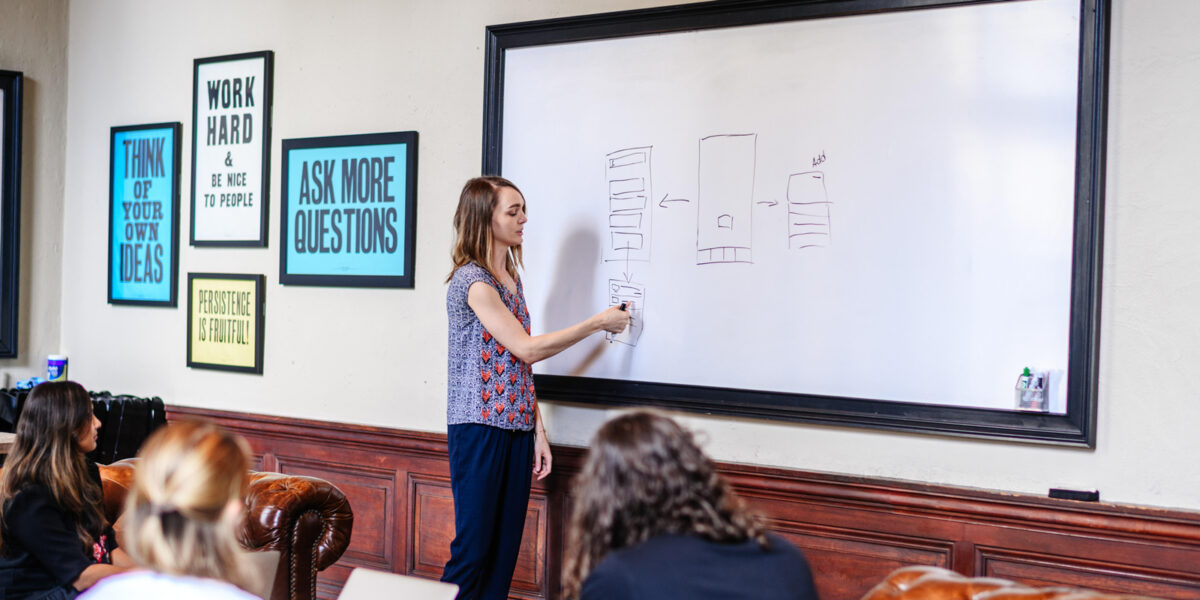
181,518
653,519
54,538
496,437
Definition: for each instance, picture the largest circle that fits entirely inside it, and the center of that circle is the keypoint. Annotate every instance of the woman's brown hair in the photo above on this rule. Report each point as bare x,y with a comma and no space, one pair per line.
645,476
46,452
473,226
178,517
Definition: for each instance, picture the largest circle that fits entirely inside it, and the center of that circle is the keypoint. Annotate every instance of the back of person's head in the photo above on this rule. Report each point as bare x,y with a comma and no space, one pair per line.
645,476
186,502
47,451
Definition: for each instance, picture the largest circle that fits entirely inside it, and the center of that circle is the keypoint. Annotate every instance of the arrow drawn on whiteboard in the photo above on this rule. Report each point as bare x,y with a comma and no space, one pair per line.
768,202
667,200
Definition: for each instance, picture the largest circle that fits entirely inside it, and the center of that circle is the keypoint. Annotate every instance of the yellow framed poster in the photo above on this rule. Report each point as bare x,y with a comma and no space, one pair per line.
225,321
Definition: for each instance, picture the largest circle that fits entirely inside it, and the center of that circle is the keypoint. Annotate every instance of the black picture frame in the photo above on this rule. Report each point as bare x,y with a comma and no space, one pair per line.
253,283
1077,427
124,280
335,263
258,237
11,91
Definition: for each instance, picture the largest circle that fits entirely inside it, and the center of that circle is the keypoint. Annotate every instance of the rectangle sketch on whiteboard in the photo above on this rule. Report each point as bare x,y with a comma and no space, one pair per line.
724,228
634,294
628,174
808,211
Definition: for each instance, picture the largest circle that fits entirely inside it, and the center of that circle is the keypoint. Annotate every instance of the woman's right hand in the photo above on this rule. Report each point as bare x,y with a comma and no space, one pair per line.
615,320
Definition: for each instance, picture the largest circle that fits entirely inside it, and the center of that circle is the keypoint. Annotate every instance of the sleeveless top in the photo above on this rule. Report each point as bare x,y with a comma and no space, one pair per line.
487,384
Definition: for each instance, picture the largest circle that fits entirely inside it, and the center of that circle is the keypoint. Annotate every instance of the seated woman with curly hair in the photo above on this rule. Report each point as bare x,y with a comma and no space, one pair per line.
653,519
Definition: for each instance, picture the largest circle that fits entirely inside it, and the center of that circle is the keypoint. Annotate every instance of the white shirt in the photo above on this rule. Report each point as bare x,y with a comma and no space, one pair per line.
149,585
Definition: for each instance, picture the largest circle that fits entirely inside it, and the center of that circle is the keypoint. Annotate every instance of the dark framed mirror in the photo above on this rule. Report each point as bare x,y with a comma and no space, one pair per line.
10,208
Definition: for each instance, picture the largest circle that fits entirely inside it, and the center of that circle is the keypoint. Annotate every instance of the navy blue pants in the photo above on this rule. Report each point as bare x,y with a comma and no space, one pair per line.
490,473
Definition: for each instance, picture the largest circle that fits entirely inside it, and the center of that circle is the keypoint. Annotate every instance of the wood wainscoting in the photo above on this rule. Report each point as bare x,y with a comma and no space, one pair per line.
854,530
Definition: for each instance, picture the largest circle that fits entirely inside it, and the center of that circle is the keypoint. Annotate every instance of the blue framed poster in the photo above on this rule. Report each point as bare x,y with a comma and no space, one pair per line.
143,214
349,210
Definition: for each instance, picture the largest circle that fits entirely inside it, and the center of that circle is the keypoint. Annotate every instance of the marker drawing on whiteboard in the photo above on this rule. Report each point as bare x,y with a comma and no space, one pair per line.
809,219
627,173
725,198
630,296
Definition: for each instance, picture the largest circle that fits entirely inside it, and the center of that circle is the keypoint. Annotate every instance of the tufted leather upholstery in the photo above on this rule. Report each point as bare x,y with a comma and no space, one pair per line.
307,520
933,583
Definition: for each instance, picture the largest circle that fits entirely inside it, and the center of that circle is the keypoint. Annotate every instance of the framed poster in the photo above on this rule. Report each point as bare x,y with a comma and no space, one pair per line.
231,149
10,207
844,240
143,214
349,210
225,321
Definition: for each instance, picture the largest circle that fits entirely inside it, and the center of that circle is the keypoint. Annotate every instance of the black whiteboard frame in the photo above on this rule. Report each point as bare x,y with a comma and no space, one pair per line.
1075,428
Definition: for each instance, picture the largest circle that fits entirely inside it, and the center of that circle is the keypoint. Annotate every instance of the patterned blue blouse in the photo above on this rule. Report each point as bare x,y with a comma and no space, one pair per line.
487,384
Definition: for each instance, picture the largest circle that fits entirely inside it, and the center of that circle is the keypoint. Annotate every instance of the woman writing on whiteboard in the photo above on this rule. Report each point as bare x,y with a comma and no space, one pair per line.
495,434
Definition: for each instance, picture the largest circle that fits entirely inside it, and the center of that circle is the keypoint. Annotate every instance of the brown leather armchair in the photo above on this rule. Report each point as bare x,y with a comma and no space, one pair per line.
307,520
933,583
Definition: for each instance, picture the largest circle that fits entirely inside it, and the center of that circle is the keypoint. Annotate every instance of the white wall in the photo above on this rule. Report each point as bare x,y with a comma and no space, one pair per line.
33,40
378,356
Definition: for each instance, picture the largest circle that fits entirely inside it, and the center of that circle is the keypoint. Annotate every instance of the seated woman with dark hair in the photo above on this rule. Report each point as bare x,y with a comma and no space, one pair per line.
653,519
54,539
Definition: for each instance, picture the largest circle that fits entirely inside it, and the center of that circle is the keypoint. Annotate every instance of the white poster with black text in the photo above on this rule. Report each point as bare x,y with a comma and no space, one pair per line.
231,137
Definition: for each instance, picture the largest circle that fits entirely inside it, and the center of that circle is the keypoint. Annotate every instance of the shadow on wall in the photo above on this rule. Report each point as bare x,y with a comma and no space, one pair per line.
571,298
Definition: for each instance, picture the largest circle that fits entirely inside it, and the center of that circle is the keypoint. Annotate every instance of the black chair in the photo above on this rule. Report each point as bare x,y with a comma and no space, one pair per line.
125,421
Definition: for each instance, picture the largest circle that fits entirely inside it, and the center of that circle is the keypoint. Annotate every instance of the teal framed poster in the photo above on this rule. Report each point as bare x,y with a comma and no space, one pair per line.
349,210
143,215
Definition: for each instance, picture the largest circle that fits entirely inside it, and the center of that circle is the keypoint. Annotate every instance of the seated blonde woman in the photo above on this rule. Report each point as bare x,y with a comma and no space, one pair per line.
653,519
181,516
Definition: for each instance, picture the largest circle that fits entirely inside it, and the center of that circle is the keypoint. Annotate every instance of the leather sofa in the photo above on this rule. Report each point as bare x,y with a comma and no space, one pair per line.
933,583
307,520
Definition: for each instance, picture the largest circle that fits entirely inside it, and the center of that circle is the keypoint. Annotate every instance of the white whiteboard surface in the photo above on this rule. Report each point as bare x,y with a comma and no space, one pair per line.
875,206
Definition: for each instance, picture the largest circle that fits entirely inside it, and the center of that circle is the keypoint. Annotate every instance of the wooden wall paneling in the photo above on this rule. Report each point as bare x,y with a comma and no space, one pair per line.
529,576
371,492
854,530
847,563
1104,576
431,519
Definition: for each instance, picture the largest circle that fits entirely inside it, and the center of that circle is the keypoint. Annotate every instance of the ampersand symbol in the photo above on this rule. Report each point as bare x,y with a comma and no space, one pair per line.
228,159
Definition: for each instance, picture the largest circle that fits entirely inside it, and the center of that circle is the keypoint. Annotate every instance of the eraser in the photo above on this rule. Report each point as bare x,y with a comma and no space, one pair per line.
1083,495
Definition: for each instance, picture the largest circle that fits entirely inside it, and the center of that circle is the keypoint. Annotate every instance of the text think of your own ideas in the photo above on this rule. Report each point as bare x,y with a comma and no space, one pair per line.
346,228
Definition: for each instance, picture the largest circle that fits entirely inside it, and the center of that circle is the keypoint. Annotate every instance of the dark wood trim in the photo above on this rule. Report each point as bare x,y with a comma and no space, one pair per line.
854,530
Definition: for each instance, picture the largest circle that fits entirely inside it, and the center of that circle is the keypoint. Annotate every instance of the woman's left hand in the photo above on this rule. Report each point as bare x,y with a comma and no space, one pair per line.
541,456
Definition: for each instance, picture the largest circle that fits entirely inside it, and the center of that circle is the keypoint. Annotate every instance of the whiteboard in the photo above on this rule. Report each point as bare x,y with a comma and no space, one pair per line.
876,206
